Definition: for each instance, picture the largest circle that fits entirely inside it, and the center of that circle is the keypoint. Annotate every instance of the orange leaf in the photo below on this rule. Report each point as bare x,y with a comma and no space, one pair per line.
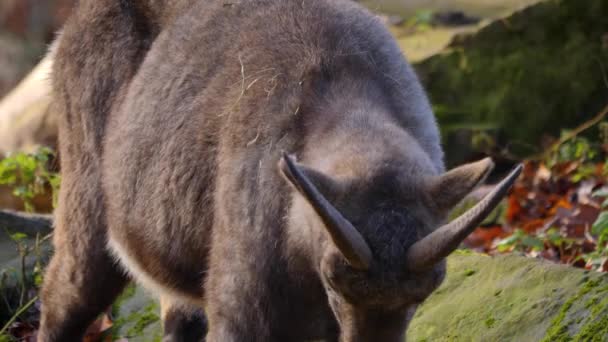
561,203
97,329
533,225
513,208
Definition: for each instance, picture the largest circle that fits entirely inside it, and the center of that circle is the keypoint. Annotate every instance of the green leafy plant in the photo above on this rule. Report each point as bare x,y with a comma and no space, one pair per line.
18,288
520,240
599,231
29,175
422,20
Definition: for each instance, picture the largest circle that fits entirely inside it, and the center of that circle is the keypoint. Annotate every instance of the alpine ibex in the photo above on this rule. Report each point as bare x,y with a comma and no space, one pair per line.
175,118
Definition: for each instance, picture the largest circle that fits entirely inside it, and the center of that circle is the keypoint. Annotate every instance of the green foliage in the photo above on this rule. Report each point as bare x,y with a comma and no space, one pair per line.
600,227
28,175
586,151
520,240
18,237
580,149
554,237
421,20
17,286
147,317
599,230
483,141
136,322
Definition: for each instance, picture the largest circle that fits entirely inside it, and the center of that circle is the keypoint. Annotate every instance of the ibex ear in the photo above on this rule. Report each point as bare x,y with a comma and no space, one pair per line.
437,245
450,188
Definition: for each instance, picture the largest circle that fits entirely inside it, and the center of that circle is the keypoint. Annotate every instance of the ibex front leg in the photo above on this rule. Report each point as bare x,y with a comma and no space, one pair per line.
82,279
182,323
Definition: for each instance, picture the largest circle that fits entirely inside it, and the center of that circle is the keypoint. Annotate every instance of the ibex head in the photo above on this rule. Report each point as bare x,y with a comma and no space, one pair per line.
388,245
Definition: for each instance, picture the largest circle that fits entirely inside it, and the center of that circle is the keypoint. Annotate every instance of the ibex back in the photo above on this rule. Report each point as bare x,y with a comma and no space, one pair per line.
175,118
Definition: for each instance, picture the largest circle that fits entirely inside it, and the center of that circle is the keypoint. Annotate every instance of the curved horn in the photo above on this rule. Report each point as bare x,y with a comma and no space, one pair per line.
431,249
345,237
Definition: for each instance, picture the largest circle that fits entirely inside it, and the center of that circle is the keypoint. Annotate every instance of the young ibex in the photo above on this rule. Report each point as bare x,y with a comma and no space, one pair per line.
176,114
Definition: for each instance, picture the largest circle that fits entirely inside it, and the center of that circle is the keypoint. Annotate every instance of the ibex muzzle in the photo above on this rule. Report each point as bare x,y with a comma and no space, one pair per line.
175,118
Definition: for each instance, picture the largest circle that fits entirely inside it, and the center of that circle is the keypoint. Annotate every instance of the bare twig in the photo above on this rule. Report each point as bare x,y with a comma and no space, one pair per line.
578,130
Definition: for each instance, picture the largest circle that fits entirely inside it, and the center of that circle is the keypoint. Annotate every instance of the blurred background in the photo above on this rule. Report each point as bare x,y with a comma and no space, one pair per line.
26,28
506,78
517,80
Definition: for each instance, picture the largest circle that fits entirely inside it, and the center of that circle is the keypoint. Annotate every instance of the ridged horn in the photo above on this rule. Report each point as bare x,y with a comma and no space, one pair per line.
434,247
344,236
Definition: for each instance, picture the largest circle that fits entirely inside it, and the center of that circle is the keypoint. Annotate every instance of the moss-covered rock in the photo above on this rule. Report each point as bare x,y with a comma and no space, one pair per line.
504,298
510,298
536,72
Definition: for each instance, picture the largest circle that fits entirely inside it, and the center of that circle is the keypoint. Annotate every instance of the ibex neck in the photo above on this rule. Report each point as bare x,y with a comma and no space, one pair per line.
159,12
363,326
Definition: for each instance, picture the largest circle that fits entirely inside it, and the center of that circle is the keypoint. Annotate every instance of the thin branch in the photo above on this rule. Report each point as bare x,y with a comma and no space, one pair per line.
17,314
578,130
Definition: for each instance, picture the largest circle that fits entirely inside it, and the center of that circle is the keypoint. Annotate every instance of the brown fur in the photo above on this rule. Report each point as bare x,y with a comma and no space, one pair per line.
176,113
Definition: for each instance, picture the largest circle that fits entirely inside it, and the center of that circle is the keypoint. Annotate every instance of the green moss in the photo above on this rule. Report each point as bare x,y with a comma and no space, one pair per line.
603,289
596,328
511,299
469,272
594,332
466,252
559,326
490,322
559,331
601,305
591,302
504,79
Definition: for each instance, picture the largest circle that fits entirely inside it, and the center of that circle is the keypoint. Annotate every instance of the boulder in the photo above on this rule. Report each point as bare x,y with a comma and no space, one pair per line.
521,78
484,298
513,298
